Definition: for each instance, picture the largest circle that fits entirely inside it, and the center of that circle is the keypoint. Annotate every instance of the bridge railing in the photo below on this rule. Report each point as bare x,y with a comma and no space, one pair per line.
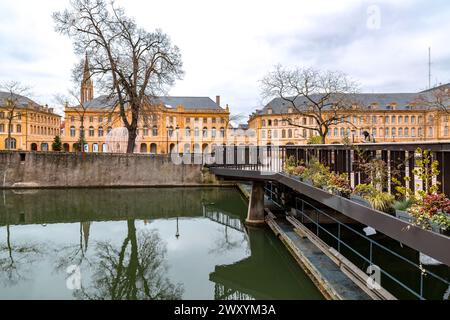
398,157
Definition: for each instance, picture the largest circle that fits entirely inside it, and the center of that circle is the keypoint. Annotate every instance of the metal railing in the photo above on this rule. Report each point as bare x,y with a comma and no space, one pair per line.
313,217
400,159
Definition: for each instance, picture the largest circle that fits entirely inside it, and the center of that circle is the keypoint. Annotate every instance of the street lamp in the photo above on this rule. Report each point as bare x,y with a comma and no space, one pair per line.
177,128
353,135
167,139
177,234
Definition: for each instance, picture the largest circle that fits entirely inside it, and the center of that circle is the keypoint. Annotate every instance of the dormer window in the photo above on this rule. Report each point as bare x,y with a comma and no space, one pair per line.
269,110
290,110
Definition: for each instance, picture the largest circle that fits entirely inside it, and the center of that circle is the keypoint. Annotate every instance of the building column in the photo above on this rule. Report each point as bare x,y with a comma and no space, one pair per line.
255,215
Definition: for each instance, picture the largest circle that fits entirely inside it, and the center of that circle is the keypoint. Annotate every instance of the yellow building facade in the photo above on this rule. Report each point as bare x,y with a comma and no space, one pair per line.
31,126
179,124
386,117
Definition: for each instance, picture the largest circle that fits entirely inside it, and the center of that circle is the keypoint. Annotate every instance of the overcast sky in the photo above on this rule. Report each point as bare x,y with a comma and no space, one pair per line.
227,46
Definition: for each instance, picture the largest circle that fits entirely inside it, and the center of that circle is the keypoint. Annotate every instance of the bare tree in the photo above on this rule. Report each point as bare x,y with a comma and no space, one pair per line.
131,64
436,98
325,96
11,103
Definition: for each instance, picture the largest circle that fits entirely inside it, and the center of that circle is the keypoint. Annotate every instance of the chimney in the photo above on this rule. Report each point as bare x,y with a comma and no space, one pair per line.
218,100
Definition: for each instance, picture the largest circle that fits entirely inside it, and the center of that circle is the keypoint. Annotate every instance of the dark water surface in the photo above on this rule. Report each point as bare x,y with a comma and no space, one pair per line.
170,243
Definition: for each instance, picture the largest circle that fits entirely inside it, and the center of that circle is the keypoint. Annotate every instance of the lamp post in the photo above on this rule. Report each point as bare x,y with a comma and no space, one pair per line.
177,234
167,139
177,128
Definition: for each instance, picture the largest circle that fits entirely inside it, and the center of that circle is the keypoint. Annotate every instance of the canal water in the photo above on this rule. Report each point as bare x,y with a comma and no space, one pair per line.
170,243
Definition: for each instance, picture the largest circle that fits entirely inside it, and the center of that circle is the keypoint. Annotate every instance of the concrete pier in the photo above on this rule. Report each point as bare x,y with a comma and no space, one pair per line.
255,215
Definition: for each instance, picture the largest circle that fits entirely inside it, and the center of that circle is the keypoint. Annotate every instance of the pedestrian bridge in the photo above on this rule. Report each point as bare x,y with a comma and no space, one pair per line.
263,167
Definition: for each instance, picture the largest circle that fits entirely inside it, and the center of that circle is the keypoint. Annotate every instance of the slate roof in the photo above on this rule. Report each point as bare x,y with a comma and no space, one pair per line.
21,100
189,102
384,100
203,103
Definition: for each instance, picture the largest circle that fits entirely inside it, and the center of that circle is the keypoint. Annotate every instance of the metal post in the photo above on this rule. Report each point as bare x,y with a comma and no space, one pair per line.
339,237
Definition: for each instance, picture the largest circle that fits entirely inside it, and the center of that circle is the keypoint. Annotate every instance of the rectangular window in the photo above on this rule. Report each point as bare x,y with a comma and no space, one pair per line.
91,119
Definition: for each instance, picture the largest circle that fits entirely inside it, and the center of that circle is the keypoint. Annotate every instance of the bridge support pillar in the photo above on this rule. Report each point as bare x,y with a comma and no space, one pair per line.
255,214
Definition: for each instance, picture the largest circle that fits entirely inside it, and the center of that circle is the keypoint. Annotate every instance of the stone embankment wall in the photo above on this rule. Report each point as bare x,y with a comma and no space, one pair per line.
42,170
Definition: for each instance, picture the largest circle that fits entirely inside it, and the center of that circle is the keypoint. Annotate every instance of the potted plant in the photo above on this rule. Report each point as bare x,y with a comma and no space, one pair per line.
290,164
316,174
401,209
432,212
378,200
339,184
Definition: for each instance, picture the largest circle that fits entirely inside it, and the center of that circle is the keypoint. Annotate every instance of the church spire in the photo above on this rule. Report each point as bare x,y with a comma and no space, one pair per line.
87,86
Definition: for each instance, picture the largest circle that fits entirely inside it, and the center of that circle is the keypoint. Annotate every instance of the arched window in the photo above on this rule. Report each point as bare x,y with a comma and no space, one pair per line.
275,133
91,131
386,132
406,133
420,132
275,122
81,132
155,131
187,131
205,132
170,131
95,148
143,148
446,131
19,128
430,131
109,130
289,133
413,132
400,131
44,146
187,148
10,143
153,148
413,119
335,133
222,132
393,132
100,131
196,132
283,133
145,131
263,134
342,132
213,132
72,131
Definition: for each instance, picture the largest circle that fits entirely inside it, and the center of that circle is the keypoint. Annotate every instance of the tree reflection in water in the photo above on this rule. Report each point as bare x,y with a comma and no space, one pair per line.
136,270
16,260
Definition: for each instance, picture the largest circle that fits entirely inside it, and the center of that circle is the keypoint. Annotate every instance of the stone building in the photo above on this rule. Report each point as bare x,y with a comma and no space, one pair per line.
32,126
390,117
167,123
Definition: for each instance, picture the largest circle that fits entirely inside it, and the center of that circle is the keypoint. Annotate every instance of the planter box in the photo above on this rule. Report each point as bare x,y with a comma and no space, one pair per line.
360,200
403,215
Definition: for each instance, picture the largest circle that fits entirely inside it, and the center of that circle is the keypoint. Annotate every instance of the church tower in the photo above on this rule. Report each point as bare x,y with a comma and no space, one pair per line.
87,86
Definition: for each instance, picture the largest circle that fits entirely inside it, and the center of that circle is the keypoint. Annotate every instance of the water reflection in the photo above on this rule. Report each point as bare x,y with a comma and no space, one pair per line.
16,260
142,244
135,270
